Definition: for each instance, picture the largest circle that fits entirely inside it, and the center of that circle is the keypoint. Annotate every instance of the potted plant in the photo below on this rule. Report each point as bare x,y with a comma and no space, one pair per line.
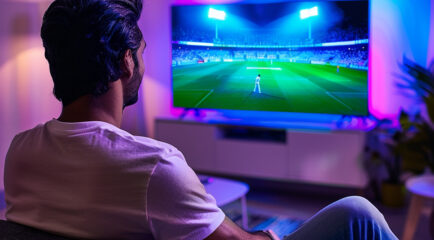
408,146
385,164
417,147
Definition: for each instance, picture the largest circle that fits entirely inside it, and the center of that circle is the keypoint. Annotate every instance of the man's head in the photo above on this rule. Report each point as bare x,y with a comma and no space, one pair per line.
86,43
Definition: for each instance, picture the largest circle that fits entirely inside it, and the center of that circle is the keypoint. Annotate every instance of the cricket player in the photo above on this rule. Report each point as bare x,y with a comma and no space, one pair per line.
257,88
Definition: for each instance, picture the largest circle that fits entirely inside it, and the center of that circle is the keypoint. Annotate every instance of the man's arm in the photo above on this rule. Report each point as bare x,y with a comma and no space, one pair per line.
178,206
228,230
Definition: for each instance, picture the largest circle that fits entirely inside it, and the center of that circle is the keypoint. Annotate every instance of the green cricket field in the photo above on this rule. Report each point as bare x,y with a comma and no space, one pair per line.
285,87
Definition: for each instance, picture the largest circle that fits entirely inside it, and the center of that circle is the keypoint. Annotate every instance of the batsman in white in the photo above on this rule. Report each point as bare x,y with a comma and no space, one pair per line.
257,88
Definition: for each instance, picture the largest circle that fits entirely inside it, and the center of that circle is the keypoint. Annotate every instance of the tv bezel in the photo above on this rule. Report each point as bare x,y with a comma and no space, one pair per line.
368,85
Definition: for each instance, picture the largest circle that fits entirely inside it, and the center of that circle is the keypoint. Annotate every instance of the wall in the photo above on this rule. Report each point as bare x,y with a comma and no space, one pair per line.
397,27
25,83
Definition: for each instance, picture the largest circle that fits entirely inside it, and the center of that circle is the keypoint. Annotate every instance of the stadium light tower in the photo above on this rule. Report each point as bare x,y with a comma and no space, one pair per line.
217,15
308,13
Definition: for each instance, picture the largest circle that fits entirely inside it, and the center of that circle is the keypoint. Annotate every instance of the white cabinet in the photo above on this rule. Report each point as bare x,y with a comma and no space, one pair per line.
320,157
327,157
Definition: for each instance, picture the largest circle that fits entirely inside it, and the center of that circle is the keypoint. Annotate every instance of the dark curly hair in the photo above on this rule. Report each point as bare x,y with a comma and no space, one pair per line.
85,41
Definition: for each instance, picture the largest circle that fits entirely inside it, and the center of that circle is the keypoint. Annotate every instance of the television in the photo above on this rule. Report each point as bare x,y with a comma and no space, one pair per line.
279,56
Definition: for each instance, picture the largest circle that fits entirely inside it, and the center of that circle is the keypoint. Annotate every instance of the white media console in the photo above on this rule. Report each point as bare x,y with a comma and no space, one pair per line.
313,156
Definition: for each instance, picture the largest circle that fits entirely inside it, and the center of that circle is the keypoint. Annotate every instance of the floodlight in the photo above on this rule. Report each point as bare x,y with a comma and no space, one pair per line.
307,13
216,14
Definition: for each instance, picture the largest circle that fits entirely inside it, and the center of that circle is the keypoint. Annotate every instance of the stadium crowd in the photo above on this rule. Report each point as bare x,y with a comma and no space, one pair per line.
354,56
261,37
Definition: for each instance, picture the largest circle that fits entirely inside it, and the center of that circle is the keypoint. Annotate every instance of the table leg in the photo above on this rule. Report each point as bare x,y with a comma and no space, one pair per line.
431,223
244,216
413,216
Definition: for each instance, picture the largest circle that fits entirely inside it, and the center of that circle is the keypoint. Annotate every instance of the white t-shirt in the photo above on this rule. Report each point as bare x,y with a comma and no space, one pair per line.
94,180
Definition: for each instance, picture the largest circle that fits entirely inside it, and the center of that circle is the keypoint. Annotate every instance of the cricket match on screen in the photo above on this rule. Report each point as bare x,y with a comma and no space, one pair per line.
309,57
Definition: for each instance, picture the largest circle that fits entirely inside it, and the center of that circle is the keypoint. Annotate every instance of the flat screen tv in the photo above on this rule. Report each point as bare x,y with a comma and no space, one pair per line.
284,56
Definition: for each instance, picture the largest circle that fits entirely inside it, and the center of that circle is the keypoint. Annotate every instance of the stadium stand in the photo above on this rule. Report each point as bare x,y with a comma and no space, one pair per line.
353,57
264,46
269,37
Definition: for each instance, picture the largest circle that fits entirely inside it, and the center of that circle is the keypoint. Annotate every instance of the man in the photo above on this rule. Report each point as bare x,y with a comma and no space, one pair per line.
257,88
81,176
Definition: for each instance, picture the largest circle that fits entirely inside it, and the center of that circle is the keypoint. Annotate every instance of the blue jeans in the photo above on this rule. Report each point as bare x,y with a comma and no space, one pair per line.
350,218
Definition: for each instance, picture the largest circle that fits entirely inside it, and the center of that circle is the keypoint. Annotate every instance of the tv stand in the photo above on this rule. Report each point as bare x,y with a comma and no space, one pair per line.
314,156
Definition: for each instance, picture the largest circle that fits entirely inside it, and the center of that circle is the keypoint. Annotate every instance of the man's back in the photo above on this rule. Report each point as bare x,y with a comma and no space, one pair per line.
87,179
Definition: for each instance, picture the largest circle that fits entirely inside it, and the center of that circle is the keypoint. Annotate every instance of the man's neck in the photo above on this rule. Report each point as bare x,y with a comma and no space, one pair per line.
106,108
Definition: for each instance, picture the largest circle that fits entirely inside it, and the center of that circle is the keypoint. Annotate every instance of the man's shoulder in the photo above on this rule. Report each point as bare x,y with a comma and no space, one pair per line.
158,145
99,134
137,146
29,132
105,144
122,140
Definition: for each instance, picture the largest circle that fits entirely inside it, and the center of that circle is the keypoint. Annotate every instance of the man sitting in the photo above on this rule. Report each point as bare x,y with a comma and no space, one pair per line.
82,176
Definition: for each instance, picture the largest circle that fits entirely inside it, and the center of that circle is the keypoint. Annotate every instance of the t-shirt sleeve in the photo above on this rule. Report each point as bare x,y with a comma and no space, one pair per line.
178,206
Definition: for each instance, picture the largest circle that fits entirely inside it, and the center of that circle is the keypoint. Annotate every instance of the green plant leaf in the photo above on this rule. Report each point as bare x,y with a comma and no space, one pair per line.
421,81
413,163
404,120
417,72
429,101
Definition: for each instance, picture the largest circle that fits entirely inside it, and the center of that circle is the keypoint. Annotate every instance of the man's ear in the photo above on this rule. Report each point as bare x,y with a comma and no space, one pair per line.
127,65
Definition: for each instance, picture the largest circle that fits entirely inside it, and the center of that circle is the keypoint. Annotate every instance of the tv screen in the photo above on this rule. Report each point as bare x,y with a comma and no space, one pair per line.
285,56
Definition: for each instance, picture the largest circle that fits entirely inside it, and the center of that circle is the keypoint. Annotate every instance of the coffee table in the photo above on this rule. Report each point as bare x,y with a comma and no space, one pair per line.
422,189
226,191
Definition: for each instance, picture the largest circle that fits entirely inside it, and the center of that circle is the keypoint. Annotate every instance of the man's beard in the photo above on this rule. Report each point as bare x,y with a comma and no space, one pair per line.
132,92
